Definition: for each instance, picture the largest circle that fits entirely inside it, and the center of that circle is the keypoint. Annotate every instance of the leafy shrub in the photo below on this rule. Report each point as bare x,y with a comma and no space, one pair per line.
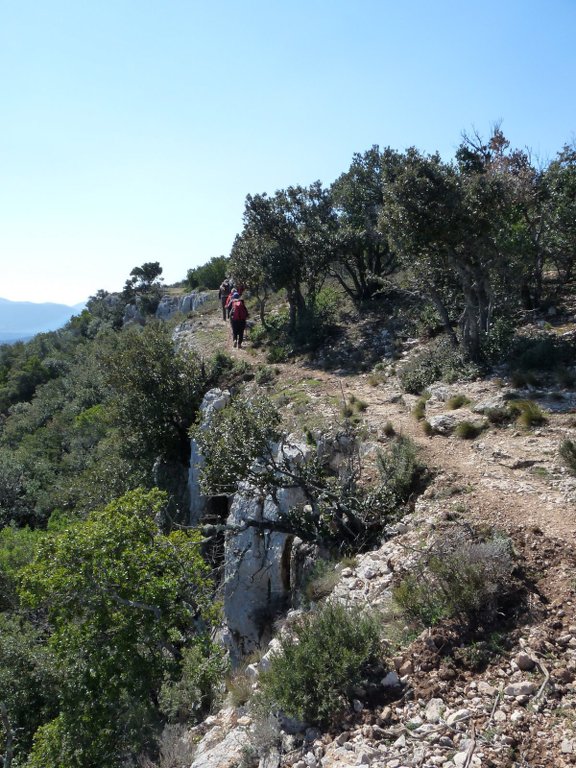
461,576
541,352
320,663
428,320
187,699
528,413
495,345
467,430
565,377
418,373
440,361
265,375
523,379
399,468
567,452
252,422
278,354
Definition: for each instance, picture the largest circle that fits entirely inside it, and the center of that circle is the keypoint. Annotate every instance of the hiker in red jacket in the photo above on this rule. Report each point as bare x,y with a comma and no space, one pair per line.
238,316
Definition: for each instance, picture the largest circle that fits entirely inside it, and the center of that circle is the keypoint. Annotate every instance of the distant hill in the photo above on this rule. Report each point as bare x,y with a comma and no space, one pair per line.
20,320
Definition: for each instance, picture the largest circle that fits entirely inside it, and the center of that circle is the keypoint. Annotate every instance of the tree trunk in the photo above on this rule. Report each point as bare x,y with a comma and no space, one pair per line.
443,312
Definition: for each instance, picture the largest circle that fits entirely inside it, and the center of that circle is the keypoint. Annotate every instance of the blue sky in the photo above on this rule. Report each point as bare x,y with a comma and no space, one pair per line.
132,130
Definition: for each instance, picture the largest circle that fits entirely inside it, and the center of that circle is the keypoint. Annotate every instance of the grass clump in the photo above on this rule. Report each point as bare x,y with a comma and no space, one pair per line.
326,656
497,416
462,576
468,430
322,580
567,453
388,429
419,410
427,428
527,412
353,406
457,401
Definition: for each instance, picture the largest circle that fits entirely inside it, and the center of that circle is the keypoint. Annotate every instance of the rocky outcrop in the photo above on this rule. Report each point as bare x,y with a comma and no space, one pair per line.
259,569
174,305
261,564
213,401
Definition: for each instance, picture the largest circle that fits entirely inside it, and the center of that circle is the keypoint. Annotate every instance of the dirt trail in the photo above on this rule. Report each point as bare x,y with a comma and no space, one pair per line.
508,477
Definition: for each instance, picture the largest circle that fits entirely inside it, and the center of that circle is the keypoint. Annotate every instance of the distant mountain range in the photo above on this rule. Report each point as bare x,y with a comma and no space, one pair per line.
20,320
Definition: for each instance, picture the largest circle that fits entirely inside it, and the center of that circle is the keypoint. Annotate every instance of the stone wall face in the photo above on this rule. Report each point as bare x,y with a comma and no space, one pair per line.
173,305
258,569
213,401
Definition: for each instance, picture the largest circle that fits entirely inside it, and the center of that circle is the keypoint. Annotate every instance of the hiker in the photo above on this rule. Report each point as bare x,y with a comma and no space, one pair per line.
228,303
224,293
238,317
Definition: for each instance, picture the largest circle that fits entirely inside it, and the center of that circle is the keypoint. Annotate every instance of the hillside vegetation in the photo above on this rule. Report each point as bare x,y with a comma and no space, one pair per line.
419,315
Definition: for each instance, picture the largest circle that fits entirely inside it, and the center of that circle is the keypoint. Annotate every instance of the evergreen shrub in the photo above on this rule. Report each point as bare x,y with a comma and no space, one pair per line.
326,655
461,576
440,361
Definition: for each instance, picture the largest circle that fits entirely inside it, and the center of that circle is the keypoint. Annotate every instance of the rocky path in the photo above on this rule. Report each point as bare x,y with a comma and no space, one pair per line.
519,711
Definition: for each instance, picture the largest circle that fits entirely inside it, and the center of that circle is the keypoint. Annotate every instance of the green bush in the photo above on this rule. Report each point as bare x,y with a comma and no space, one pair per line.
522,379
251,424
399,469
461,576
265,375
320,663
190,697
439,361
565,377
541,352
495,345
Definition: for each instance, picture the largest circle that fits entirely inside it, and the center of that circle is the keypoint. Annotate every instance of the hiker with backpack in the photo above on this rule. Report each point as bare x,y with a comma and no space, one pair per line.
238,317
224,293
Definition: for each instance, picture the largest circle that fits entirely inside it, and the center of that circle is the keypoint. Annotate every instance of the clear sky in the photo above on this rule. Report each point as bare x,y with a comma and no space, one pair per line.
132,130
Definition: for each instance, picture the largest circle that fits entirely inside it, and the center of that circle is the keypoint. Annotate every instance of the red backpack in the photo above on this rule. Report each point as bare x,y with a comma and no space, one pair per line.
238,311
